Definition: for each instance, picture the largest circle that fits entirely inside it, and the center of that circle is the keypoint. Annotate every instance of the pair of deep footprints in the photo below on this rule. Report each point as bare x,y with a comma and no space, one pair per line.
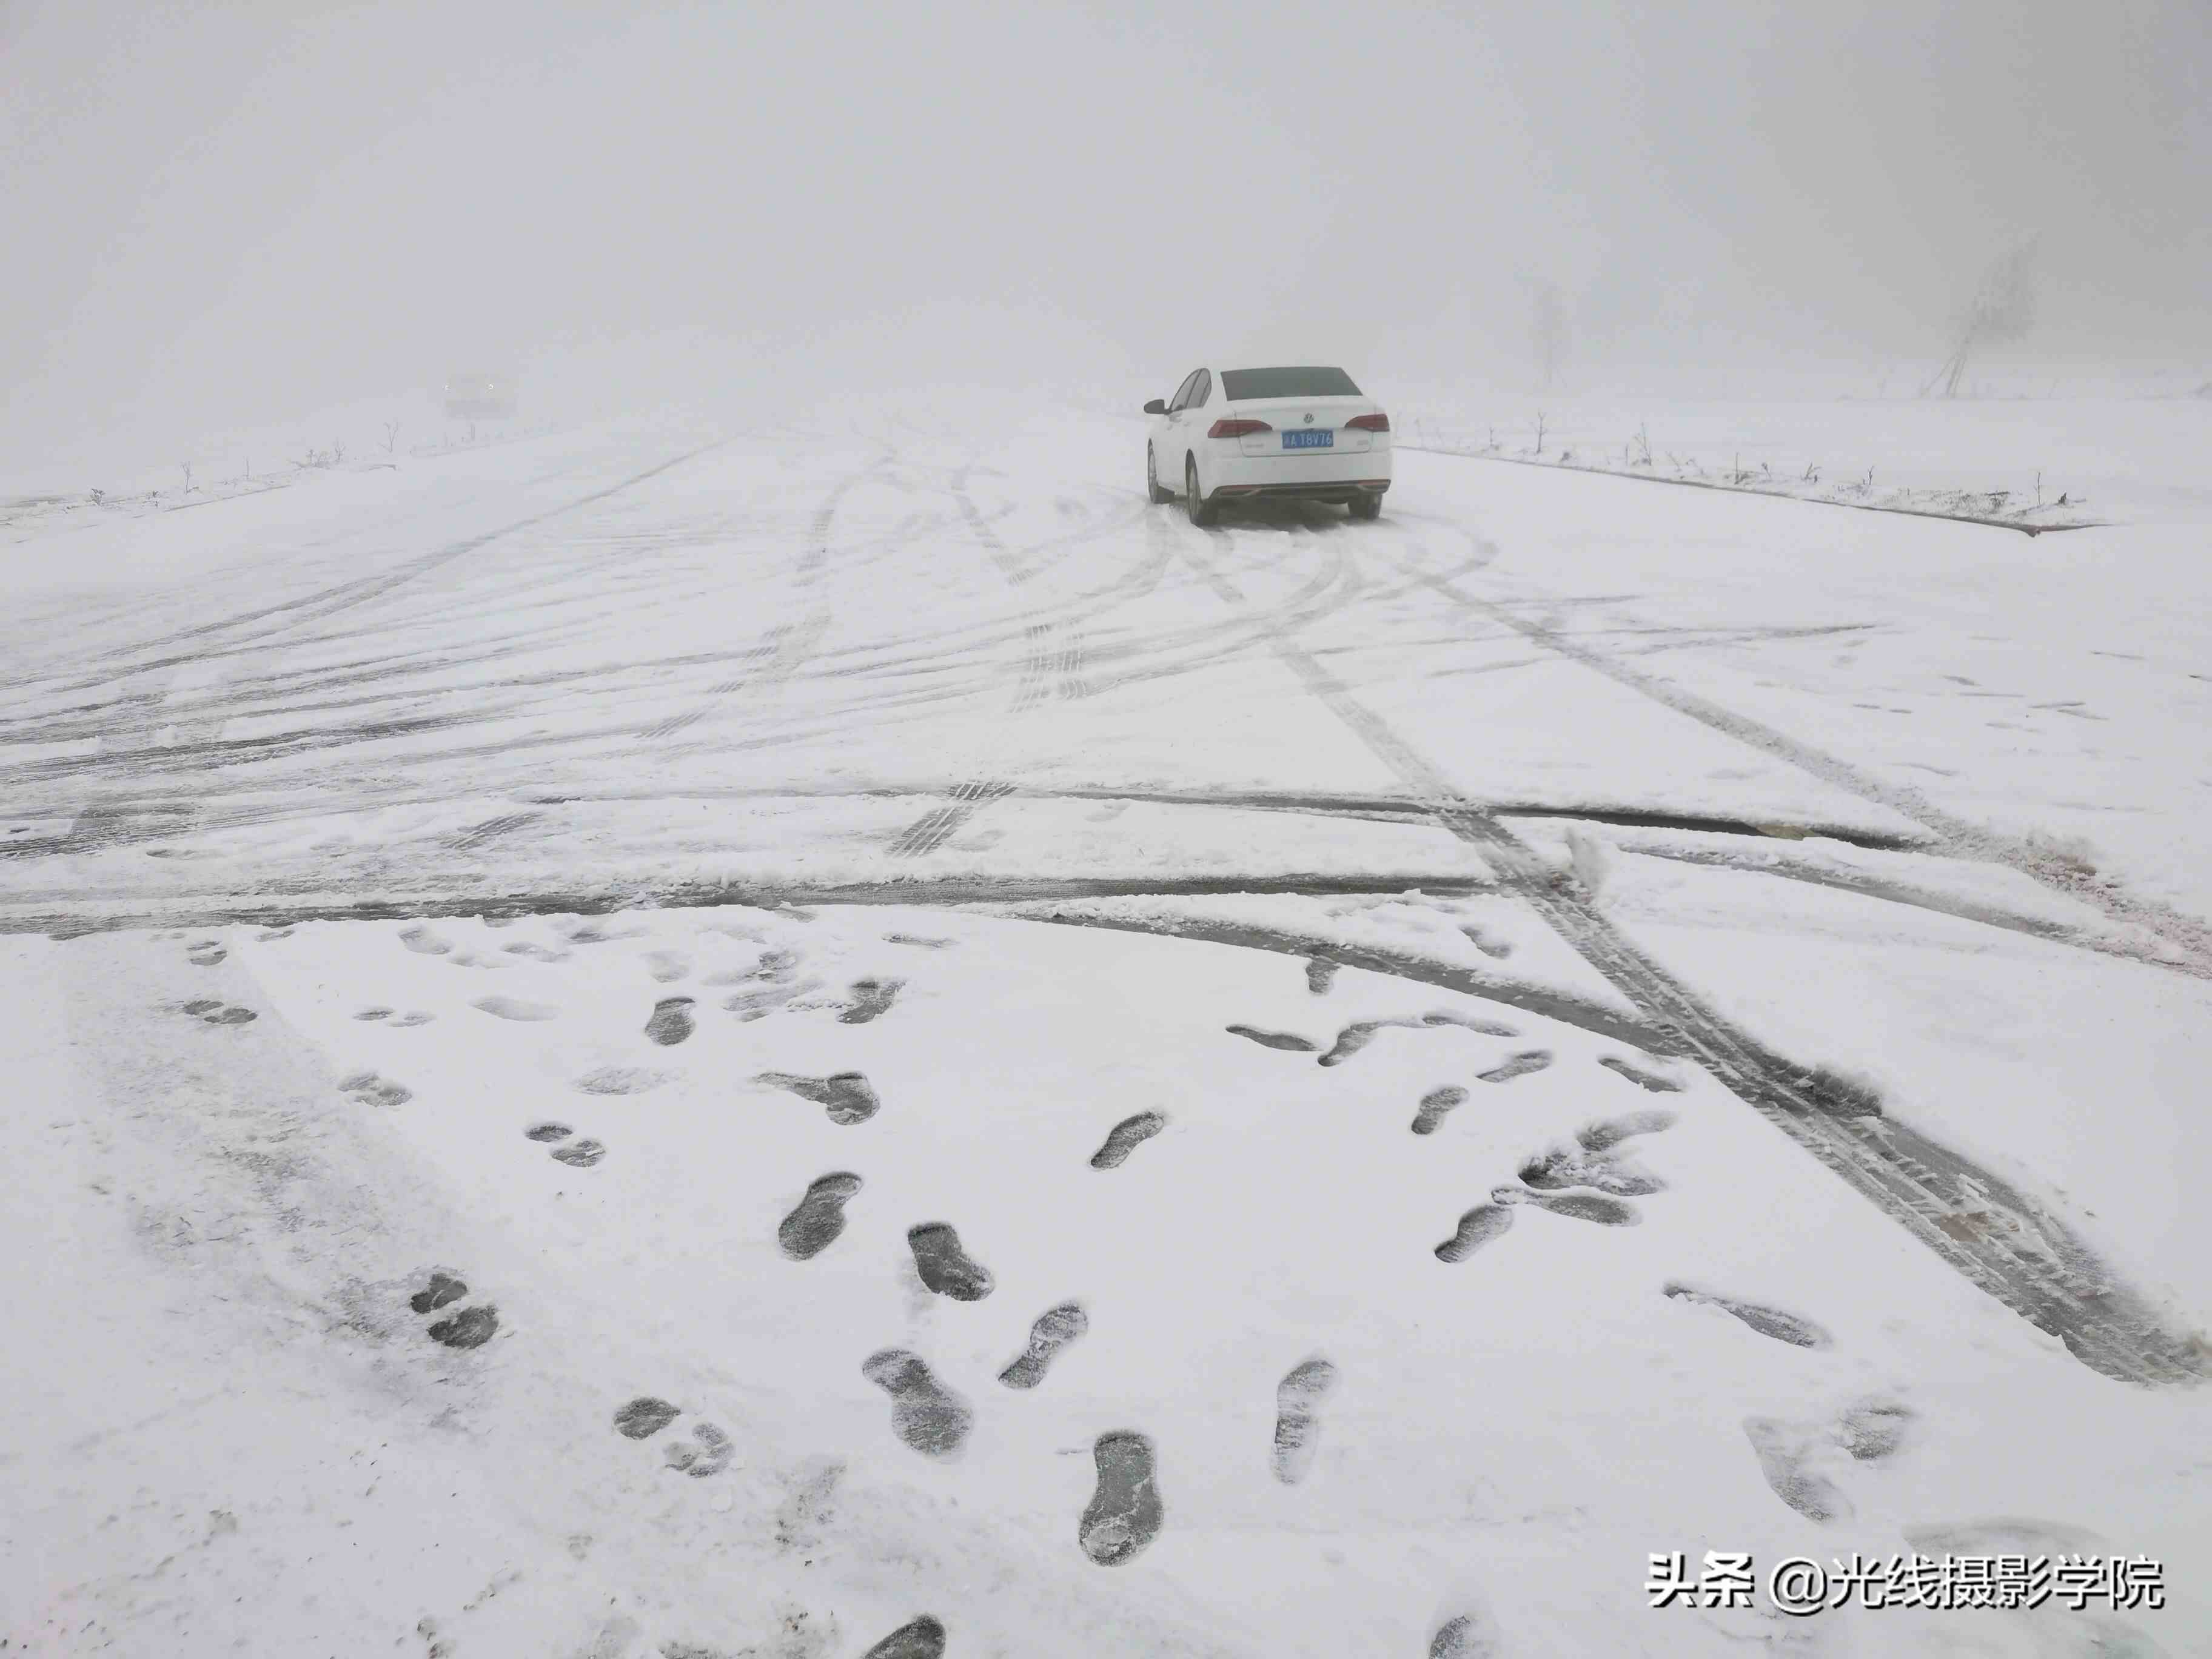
465,1327
1589,1162
558,1139
671,1020
707,1452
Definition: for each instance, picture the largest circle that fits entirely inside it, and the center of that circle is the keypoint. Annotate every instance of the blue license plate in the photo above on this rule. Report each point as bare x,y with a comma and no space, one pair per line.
1308,440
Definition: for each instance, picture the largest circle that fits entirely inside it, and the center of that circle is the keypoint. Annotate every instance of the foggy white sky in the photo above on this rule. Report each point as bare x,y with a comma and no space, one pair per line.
225,214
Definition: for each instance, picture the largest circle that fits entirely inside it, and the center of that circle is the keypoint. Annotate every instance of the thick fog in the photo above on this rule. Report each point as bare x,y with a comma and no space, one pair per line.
219,215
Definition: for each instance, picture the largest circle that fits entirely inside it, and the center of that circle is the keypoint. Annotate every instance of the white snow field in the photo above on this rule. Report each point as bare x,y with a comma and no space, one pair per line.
662,1043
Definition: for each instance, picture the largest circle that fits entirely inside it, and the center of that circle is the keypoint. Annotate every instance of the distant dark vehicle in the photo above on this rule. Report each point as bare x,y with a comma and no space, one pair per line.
480,396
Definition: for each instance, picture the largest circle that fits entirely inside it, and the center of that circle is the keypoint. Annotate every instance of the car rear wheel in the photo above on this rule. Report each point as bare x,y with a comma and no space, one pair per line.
1202,512
1366,506
1159,496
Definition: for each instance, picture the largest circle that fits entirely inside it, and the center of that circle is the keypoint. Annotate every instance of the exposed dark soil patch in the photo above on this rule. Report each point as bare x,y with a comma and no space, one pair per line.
1126,1136
945,1267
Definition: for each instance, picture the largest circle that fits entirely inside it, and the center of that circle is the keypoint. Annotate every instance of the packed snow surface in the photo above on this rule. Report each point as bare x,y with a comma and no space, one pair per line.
656,1044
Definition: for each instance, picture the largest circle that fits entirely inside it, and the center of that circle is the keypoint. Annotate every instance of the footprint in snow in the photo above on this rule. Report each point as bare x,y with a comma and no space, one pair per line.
1054,1329
946,1268
273,933
211,1011
1565,1167
707,1452
815,1224
671,1021
644,1417
928,1417
1496,949
1608,1132
1298,1397
548,1132
516,1008
1476,1229
1470,1635
1354,1038
1873,1429
1576,1206
534,952
1533,1060
667,966
471,1328
1125,1137
1435,1105
420,940
370,1090
1321,974
1643,1080
845,1095
401,1022
580,1154
918,1639
620,1080
374,1014
1798,1332
1125,1513
206,954
441,1289
870,997
1273,1039
1782,1451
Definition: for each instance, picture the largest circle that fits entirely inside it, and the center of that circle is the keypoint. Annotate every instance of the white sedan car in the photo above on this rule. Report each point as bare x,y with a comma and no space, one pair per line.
1251,432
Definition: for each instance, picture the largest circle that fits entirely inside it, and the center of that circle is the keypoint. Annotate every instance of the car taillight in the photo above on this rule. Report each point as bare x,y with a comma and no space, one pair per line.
1378,421
1225,428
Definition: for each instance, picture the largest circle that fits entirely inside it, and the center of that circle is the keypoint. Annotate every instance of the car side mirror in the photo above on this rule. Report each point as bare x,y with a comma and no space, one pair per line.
1157,406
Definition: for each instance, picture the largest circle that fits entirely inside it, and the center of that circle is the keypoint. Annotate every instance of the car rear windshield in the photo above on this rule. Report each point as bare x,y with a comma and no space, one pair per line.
1240,385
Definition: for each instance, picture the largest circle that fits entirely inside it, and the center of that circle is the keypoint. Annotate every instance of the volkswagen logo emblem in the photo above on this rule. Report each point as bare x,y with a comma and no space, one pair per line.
1309,417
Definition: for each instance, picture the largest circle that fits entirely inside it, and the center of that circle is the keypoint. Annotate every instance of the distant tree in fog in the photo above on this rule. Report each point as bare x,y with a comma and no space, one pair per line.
1548,330
2000,310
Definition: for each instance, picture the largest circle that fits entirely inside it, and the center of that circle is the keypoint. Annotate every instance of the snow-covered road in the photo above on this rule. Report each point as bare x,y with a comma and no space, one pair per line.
1605,830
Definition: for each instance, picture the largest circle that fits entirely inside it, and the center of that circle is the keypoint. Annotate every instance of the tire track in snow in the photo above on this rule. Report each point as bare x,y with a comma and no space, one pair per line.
1993,1236
1962,838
